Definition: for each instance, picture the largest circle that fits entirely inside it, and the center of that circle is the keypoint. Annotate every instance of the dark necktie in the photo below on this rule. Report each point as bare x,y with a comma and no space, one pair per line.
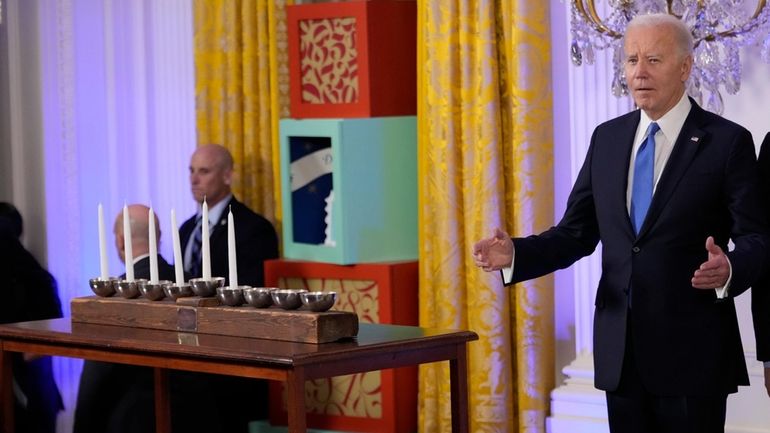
195,251
644,172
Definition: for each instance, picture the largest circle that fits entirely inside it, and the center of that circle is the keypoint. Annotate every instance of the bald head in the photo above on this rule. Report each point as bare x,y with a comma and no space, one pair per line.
211,170
139,219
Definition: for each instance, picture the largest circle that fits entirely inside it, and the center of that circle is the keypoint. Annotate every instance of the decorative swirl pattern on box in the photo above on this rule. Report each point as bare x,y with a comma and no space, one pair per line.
328,60
356,395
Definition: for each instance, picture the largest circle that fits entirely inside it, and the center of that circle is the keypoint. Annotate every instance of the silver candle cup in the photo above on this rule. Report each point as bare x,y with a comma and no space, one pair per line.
206,288
318,301
288,299
128,289
175,291
153,291
231,296
102,287
258,297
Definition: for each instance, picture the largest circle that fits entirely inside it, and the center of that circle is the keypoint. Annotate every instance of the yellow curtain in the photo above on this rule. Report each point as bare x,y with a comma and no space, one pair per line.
241,89
485,160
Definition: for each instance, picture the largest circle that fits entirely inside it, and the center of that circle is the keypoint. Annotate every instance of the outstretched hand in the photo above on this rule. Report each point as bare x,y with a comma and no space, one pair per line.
495,252
713,273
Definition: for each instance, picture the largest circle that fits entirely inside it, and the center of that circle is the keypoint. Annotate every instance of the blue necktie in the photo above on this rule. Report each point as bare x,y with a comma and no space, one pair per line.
644,172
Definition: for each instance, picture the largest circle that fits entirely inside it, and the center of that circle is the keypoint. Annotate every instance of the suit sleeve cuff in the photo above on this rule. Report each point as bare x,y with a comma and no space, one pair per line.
722,292
508,271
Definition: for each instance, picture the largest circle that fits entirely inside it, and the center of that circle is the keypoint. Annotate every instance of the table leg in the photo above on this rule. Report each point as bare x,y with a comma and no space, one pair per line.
6,391
295,400
162,401
458,376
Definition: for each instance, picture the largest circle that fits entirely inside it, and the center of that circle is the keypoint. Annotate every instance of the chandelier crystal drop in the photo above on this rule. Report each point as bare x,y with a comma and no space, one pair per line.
720,28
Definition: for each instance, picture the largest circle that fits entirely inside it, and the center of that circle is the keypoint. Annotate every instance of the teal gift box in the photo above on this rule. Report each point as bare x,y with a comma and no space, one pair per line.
265,427
349,189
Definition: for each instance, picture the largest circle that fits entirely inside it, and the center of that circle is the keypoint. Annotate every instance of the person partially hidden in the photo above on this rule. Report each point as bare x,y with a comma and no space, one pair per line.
29,293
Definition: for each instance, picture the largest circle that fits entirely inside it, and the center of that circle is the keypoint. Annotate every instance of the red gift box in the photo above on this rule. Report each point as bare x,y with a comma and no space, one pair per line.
352,59
378,401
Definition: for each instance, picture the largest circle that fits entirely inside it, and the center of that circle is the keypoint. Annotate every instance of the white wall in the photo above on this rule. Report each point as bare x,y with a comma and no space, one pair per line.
750,108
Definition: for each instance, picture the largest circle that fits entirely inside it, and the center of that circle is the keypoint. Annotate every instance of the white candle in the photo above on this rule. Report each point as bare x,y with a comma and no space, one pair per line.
205,253
178,264
153,249
231,260
127,247
105,273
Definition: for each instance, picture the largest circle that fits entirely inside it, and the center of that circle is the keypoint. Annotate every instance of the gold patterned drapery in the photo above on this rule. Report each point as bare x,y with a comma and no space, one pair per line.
241,89
485,161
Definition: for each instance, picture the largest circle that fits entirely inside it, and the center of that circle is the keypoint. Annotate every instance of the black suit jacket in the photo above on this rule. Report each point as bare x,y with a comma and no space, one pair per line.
255,239
685,341
165,270
760,293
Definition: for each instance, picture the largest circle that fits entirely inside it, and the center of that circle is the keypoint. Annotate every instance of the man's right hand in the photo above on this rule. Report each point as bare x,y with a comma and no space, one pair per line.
494,253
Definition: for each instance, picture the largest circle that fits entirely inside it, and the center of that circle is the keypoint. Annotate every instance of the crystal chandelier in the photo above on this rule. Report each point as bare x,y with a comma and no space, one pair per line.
719,28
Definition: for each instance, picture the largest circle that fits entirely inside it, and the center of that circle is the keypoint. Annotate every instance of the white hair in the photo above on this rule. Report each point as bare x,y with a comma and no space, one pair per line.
682,34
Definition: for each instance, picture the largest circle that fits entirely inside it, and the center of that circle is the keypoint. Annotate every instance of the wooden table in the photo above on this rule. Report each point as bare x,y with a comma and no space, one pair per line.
376,347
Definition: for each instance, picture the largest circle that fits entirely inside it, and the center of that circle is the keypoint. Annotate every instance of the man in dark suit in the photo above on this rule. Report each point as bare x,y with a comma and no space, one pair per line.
760,296
664,204
118,398
29,293
211,171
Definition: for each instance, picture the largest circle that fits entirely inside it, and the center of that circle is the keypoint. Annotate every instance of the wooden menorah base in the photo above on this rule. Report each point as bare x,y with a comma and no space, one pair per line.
207,316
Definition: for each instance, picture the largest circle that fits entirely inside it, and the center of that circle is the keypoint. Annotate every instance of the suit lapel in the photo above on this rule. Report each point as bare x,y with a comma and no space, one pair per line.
687,145
220,229
142,268
623,140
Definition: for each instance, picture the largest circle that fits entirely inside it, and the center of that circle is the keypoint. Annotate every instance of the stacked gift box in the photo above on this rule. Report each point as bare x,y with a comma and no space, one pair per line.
349,193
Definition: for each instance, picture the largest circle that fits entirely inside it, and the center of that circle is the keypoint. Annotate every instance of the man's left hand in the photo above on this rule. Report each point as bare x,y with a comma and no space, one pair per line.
713,273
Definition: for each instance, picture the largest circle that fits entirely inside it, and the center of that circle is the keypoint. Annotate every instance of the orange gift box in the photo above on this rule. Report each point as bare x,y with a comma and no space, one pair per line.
352,59
377,401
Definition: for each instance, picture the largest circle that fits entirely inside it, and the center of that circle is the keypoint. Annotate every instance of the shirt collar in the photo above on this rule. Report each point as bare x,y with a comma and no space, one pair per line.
670,123
140,258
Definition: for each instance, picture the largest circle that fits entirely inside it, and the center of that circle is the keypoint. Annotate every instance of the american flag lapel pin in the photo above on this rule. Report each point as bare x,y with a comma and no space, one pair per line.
694,139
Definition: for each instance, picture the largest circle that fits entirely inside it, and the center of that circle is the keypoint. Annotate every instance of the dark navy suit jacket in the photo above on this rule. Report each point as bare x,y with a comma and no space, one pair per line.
685,341
760,293
255,238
